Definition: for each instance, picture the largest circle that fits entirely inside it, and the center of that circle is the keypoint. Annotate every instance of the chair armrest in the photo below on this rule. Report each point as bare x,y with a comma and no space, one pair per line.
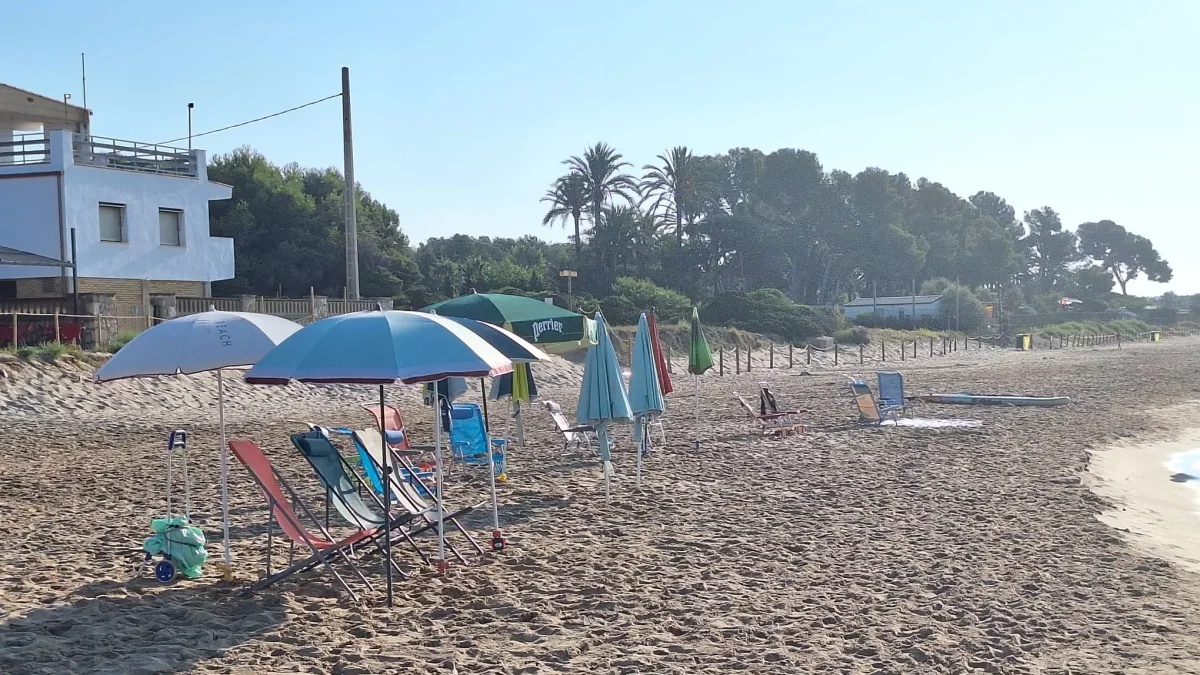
579,429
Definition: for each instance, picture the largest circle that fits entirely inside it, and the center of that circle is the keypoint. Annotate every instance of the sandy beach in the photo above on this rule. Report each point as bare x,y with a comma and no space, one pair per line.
994,549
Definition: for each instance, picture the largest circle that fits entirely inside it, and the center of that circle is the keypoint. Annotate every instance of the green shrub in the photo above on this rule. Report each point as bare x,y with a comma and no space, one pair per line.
641,296
119,340
768,310
619,311
858,335
25,352
50,352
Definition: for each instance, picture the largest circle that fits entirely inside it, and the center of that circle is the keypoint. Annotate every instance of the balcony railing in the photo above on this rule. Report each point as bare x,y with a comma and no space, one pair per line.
111,153
25,149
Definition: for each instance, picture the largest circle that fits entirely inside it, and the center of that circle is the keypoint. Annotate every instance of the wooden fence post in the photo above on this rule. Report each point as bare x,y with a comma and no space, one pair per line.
931,346
835,352
883,351
771,357
790,361
860,354
670,366
903,350
720,361
807,354
14,331
57,330
748,351
737,360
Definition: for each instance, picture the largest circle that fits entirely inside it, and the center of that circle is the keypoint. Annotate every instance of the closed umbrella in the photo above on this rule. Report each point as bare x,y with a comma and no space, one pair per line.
660,363
380,347
602,397
645,395
700,360
200,343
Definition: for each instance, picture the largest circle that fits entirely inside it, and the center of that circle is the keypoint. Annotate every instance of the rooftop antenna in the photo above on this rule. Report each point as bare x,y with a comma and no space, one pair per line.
83,67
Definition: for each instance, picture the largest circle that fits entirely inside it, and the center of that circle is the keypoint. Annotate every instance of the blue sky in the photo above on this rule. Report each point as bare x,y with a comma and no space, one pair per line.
463,110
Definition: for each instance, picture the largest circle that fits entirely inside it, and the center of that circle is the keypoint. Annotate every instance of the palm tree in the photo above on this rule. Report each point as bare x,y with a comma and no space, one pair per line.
601,167
567,197
671,187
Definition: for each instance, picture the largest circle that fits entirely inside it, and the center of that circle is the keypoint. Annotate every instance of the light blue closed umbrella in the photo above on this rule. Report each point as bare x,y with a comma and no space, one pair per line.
645,395
602,397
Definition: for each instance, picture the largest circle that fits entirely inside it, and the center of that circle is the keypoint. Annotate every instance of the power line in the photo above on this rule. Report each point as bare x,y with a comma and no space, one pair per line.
257,119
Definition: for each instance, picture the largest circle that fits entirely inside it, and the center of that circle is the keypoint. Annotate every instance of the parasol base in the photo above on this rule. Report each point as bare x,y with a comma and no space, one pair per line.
226,571
498,541
443,568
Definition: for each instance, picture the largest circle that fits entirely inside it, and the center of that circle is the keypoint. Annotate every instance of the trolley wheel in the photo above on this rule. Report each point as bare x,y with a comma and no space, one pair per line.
164,572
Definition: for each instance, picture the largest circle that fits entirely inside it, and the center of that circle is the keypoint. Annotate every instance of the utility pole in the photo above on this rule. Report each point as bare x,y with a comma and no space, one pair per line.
914,303
190,106
957,295
874,305
348,194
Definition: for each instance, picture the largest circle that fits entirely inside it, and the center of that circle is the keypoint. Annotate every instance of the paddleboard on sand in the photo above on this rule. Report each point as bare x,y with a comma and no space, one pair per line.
994,399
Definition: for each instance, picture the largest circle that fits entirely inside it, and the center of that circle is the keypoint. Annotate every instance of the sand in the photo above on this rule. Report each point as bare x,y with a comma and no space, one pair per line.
844,550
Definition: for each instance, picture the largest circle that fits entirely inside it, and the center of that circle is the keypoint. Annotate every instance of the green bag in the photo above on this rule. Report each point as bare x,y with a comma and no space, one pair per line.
176,539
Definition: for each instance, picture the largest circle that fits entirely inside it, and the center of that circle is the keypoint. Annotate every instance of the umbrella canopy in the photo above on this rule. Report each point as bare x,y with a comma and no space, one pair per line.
518,385
645,396
198,343
602,397
552,328
699,355
380,347
512,346
660,363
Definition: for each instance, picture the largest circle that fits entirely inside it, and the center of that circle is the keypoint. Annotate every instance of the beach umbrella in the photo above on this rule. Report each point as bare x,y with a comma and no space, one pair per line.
645,395
200,343
551,328
519,387
381,347
602,397
700,360
660,363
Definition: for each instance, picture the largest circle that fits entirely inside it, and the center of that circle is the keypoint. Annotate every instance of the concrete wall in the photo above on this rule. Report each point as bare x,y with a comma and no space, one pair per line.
201,258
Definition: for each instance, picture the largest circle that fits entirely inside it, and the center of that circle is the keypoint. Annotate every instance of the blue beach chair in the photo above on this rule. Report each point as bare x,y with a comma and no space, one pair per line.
891,393
468,437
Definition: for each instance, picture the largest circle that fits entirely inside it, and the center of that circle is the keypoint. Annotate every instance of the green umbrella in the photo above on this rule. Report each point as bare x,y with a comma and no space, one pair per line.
700,360
550,328
699,355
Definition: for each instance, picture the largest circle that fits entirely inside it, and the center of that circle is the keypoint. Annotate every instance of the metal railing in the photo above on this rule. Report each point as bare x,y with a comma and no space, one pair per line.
111,153
25,149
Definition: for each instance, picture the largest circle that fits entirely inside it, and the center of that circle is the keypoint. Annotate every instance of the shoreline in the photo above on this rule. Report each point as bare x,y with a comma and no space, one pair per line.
1155,513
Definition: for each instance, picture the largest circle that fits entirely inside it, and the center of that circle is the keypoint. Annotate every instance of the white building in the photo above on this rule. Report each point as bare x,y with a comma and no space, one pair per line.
139,211
894,307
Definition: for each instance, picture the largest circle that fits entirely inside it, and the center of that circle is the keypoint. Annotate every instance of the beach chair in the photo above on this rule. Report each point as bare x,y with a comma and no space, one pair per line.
574,436
777,423
324,548
869,410
392,421
344,491
891,392
469,439
409,489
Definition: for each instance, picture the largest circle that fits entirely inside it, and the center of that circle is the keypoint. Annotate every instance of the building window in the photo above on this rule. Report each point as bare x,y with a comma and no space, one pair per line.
170,227
112,222
8,289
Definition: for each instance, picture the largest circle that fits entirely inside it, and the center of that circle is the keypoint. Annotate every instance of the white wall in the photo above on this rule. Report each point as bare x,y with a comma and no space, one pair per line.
201,258
894,311
29,221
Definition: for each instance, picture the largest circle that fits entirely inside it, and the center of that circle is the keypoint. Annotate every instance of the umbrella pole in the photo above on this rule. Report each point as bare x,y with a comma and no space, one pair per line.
224,472
498,540
519,422
487,424
641,446
443,566
696,425
387,500
606,448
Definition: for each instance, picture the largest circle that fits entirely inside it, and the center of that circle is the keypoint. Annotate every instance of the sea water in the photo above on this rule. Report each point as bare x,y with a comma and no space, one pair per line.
1185,467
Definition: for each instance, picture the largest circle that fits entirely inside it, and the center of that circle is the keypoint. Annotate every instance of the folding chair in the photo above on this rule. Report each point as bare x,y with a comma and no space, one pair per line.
409,489
869,411
343,491
324,548
777,423
579,437
891,392
468,438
